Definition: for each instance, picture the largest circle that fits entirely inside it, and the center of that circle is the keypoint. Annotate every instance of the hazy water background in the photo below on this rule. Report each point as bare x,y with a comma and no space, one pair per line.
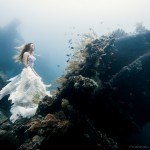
50,24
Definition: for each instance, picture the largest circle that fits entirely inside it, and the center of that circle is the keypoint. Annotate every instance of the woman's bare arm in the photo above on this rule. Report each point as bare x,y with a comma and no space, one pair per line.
25,59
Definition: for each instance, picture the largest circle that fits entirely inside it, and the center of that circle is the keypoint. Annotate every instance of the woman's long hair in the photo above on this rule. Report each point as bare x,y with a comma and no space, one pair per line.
22,49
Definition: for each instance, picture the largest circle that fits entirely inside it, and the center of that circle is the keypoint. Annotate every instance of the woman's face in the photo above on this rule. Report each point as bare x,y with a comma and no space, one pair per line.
32,47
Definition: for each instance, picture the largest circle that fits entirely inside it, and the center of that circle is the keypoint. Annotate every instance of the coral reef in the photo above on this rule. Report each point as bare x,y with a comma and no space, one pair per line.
102,99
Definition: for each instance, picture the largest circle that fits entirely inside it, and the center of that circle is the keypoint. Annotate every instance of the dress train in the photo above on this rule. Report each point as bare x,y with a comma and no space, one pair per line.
25,91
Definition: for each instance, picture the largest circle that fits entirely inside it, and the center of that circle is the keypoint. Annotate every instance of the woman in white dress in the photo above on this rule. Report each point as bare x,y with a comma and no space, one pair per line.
25,90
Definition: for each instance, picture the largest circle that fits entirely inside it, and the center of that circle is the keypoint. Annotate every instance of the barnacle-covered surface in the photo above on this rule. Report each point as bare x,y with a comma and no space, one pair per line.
102,99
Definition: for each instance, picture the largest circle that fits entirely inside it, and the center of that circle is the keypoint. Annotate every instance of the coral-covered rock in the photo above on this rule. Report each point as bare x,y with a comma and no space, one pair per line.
102,99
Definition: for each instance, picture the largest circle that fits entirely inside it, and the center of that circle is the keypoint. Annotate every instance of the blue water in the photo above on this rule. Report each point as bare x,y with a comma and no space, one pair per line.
9,39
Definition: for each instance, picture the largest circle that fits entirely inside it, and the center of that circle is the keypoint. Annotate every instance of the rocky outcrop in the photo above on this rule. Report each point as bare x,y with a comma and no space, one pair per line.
102,99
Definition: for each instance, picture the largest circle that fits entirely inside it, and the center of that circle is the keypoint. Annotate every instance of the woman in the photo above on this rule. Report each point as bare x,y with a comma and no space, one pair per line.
26,89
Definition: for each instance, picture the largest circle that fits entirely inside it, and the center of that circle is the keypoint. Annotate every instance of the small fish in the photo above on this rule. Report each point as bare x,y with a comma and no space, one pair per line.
68,54
68,60
70,41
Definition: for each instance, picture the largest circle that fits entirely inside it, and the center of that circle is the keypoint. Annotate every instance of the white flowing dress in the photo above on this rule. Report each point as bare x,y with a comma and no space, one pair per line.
25,91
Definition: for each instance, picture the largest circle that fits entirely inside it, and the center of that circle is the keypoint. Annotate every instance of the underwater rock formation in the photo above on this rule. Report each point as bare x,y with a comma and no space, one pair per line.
102,99
9,39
